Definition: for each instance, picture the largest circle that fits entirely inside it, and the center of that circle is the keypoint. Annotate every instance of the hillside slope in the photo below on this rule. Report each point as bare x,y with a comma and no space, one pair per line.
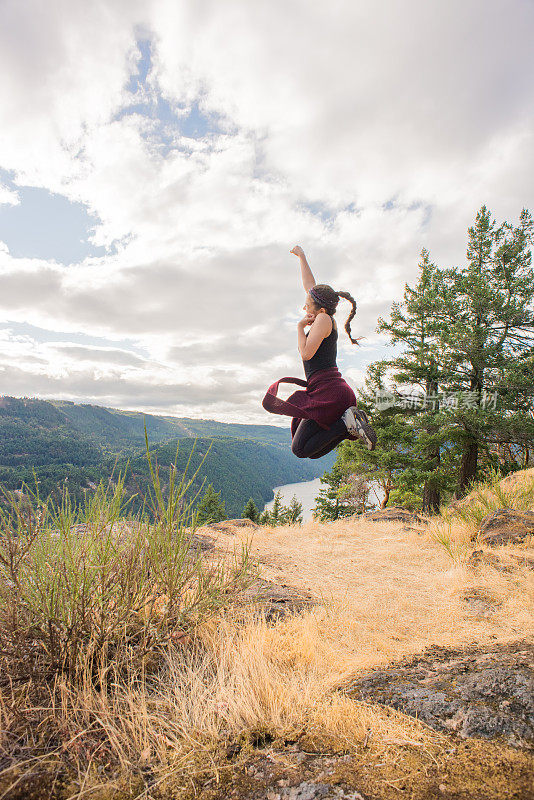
113,427
80,444
238,468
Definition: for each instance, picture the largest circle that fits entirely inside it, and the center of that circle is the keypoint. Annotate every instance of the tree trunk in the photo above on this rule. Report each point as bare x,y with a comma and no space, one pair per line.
468,467
387,489
431,492
431,498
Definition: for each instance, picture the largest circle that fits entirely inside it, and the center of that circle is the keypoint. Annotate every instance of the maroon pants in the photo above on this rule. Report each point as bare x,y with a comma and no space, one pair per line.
326,395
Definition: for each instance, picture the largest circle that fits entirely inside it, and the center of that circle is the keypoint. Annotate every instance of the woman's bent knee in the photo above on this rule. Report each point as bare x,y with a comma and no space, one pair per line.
297,450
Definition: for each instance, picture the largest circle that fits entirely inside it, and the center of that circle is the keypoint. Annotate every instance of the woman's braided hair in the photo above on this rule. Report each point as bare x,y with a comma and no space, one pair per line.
326,297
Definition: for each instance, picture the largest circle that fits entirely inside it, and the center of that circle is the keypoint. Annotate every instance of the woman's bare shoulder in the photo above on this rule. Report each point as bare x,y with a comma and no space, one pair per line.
323,323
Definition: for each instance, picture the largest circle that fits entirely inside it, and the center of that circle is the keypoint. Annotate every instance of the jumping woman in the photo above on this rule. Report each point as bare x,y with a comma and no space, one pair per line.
325,412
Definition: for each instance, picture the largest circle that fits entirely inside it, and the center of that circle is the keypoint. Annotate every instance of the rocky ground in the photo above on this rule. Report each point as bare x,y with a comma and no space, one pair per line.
463,771
486,693
467,769
481,700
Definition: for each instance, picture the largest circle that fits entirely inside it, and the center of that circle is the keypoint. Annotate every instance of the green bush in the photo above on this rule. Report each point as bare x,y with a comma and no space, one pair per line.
405,498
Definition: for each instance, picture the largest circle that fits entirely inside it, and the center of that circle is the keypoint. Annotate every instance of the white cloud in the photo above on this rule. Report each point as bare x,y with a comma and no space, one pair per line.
359,100
63,66
363,130
8,197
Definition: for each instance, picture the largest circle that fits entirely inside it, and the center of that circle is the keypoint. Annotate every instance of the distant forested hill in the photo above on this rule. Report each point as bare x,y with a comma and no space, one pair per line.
82,443
238,468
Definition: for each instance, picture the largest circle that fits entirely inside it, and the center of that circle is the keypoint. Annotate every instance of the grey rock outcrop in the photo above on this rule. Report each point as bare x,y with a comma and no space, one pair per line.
479,558
505,526
482,692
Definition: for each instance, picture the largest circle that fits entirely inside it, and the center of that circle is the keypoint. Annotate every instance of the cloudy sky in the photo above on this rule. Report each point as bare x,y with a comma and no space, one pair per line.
159,159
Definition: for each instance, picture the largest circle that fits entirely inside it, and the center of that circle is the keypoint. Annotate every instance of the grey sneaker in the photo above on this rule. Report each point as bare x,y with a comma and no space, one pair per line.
358,426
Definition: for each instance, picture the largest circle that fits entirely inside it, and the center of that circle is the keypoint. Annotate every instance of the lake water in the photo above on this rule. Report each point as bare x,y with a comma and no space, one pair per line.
307,491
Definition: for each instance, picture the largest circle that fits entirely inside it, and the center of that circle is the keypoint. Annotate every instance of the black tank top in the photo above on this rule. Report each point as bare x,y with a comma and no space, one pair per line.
325,357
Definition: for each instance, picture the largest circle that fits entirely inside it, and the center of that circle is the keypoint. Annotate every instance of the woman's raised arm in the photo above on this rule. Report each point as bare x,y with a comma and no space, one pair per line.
308,281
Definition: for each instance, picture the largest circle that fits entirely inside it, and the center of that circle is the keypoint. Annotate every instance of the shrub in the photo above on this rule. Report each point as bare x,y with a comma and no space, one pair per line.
81,585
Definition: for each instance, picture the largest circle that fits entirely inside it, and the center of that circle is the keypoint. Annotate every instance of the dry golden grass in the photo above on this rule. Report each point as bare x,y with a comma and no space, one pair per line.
516,488
236,684
382,592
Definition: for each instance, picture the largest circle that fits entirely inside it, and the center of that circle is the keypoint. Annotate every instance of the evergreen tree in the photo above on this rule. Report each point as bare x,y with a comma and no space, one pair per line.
250,511
277,511
468,332
211,507
281,514
417,323
328,503
488,329
293,512
393,462
514,449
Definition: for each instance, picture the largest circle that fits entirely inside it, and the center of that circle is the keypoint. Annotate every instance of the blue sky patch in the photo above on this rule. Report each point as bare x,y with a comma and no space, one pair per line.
46,336
47,226
172,121
138,80
325,213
